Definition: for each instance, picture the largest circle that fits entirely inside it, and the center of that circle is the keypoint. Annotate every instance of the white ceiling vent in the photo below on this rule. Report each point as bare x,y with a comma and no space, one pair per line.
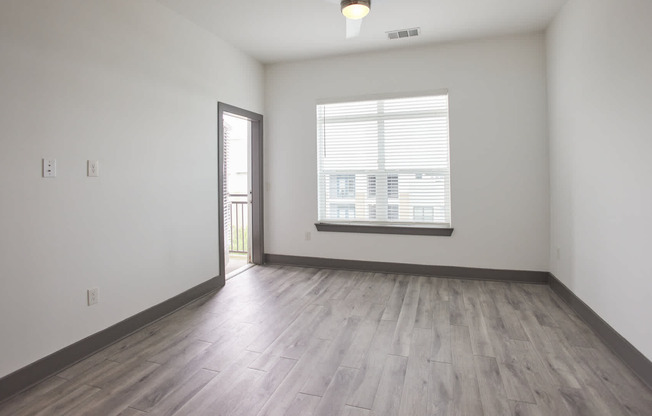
404,33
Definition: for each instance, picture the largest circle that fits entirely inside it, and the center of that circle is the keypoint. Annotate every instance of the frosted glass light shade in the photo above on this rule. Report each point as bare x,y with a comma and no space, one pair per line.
355,10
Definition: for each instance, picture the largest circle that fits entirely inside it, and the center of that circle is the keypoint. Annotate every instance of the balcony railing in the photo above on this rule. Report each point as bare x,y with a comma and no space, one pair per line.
239,212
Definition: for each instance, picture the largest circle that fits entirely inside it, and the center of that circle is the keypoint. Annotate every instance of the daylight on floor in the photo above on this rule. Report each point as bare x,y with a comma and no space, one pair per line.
325,207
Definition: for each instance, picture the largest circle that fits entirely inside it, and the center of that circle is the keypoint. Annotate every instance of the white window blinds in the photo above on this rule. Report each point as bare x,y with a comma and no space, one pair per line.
385,161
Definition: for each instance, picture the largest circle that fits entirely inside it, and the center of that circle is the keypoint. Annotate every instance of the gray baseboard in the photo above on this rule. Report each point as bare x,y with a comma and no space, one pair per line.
416,269
631,356
56,362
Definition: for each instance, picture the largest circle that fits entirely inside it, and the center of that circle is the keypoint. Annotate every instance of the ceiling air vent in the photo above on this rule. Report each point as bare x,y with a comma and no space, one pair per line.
404,33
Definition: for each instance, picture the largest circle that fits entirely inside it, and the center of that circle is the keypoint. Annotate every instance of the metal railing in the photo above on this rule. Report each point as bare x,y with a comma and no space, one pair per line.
239,211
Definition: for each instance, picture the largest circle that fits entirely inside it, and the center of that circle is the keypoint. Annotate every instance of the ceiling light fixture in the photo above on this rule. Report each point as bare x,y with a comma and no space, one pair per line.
355,9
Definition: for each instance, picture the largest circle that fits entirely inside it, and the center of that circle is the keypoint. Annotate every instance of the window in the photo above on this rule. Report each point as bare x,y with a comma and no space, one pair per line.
342,186
372,211
392,212
392,186
344,211
424,214
396,150
371,186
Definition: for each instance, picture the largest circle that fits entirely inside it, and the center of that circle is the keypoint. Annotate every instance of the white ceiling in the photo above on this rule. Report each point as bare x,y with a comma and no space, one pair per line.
282,30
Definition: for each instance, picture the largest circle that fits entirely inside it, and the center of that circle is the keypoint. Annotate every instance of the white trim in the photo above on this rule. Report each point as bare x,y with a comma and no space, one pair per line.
382,96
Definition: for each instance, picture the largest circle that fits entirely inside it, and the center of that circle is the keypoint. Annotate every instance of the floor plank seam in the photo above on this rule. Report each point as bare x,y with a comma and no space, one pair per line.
446,347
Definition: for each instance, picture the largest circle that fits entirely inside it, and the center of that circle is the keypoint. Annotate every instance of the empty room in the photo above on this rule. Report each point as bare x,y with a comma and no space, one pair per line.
325,207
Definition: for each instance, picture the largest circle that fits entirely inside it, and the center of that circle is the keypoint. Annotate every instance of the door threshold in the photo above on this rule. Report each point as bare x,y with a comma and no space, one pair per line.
239,270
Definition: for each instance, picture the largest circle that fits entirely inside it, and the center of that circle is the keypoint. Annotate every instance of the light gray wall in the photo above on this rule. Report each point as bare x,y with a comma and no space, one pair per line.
134,85
600,87
499,152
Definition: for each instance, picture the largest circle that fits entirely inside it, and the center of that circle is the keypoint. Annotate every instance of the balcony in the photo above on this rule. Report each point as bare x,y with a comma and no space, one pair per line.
239,215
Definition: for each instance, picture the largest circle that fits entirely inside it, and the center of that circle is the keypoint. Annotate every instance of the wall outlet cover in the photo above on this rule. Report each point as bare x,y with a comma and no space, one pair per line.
49,168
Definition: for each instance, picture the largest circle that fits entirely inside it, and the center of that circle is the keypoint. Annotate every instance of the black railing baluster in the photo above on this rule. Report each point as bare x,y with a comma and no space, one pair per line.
242,221
231,225
239,218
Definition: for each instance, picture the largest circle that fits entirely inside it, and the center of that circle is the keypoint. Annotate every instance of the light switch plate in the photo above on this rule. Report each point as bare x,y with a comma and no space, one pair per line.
93,168
93,296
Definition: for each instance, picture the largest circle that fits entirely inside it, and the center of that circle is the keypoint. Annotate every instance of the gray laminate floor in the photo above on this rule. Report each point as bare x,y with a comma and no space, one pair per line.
294,341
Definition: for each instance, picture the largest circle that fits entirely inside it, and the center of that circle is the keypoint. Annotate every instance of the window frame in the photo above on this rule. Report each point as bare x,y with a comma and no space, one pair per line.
393,227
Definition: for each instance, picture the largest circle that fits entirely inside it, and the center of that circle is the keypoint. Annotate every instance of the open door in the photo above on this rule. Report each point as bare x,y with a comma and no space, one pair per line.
240,170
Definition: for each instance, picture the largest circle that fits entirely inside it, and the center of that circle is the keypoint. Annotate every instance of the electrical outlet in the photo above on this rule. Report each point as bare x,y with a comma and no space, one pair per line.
93,296
93,168
558,254
308,236
49,168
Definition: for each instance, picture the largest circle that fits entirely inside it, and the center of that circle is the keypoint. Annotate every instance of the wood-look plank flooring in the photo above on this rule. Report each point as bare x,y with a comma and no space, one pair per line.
287,341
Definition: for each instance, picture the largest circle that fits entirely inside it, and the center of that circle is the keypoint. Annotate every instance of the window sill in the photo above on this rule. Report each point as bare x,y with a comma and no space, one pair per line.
383,229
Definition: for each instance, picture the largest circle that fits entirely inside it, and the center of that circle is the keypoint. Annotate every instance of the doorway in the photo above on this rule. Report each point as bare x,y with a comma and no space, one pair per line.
240,189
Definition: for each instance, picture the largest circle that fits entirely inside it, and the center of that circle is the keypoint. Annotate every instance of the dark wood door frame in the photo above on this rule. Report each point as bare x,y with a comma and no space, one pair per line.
257,241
